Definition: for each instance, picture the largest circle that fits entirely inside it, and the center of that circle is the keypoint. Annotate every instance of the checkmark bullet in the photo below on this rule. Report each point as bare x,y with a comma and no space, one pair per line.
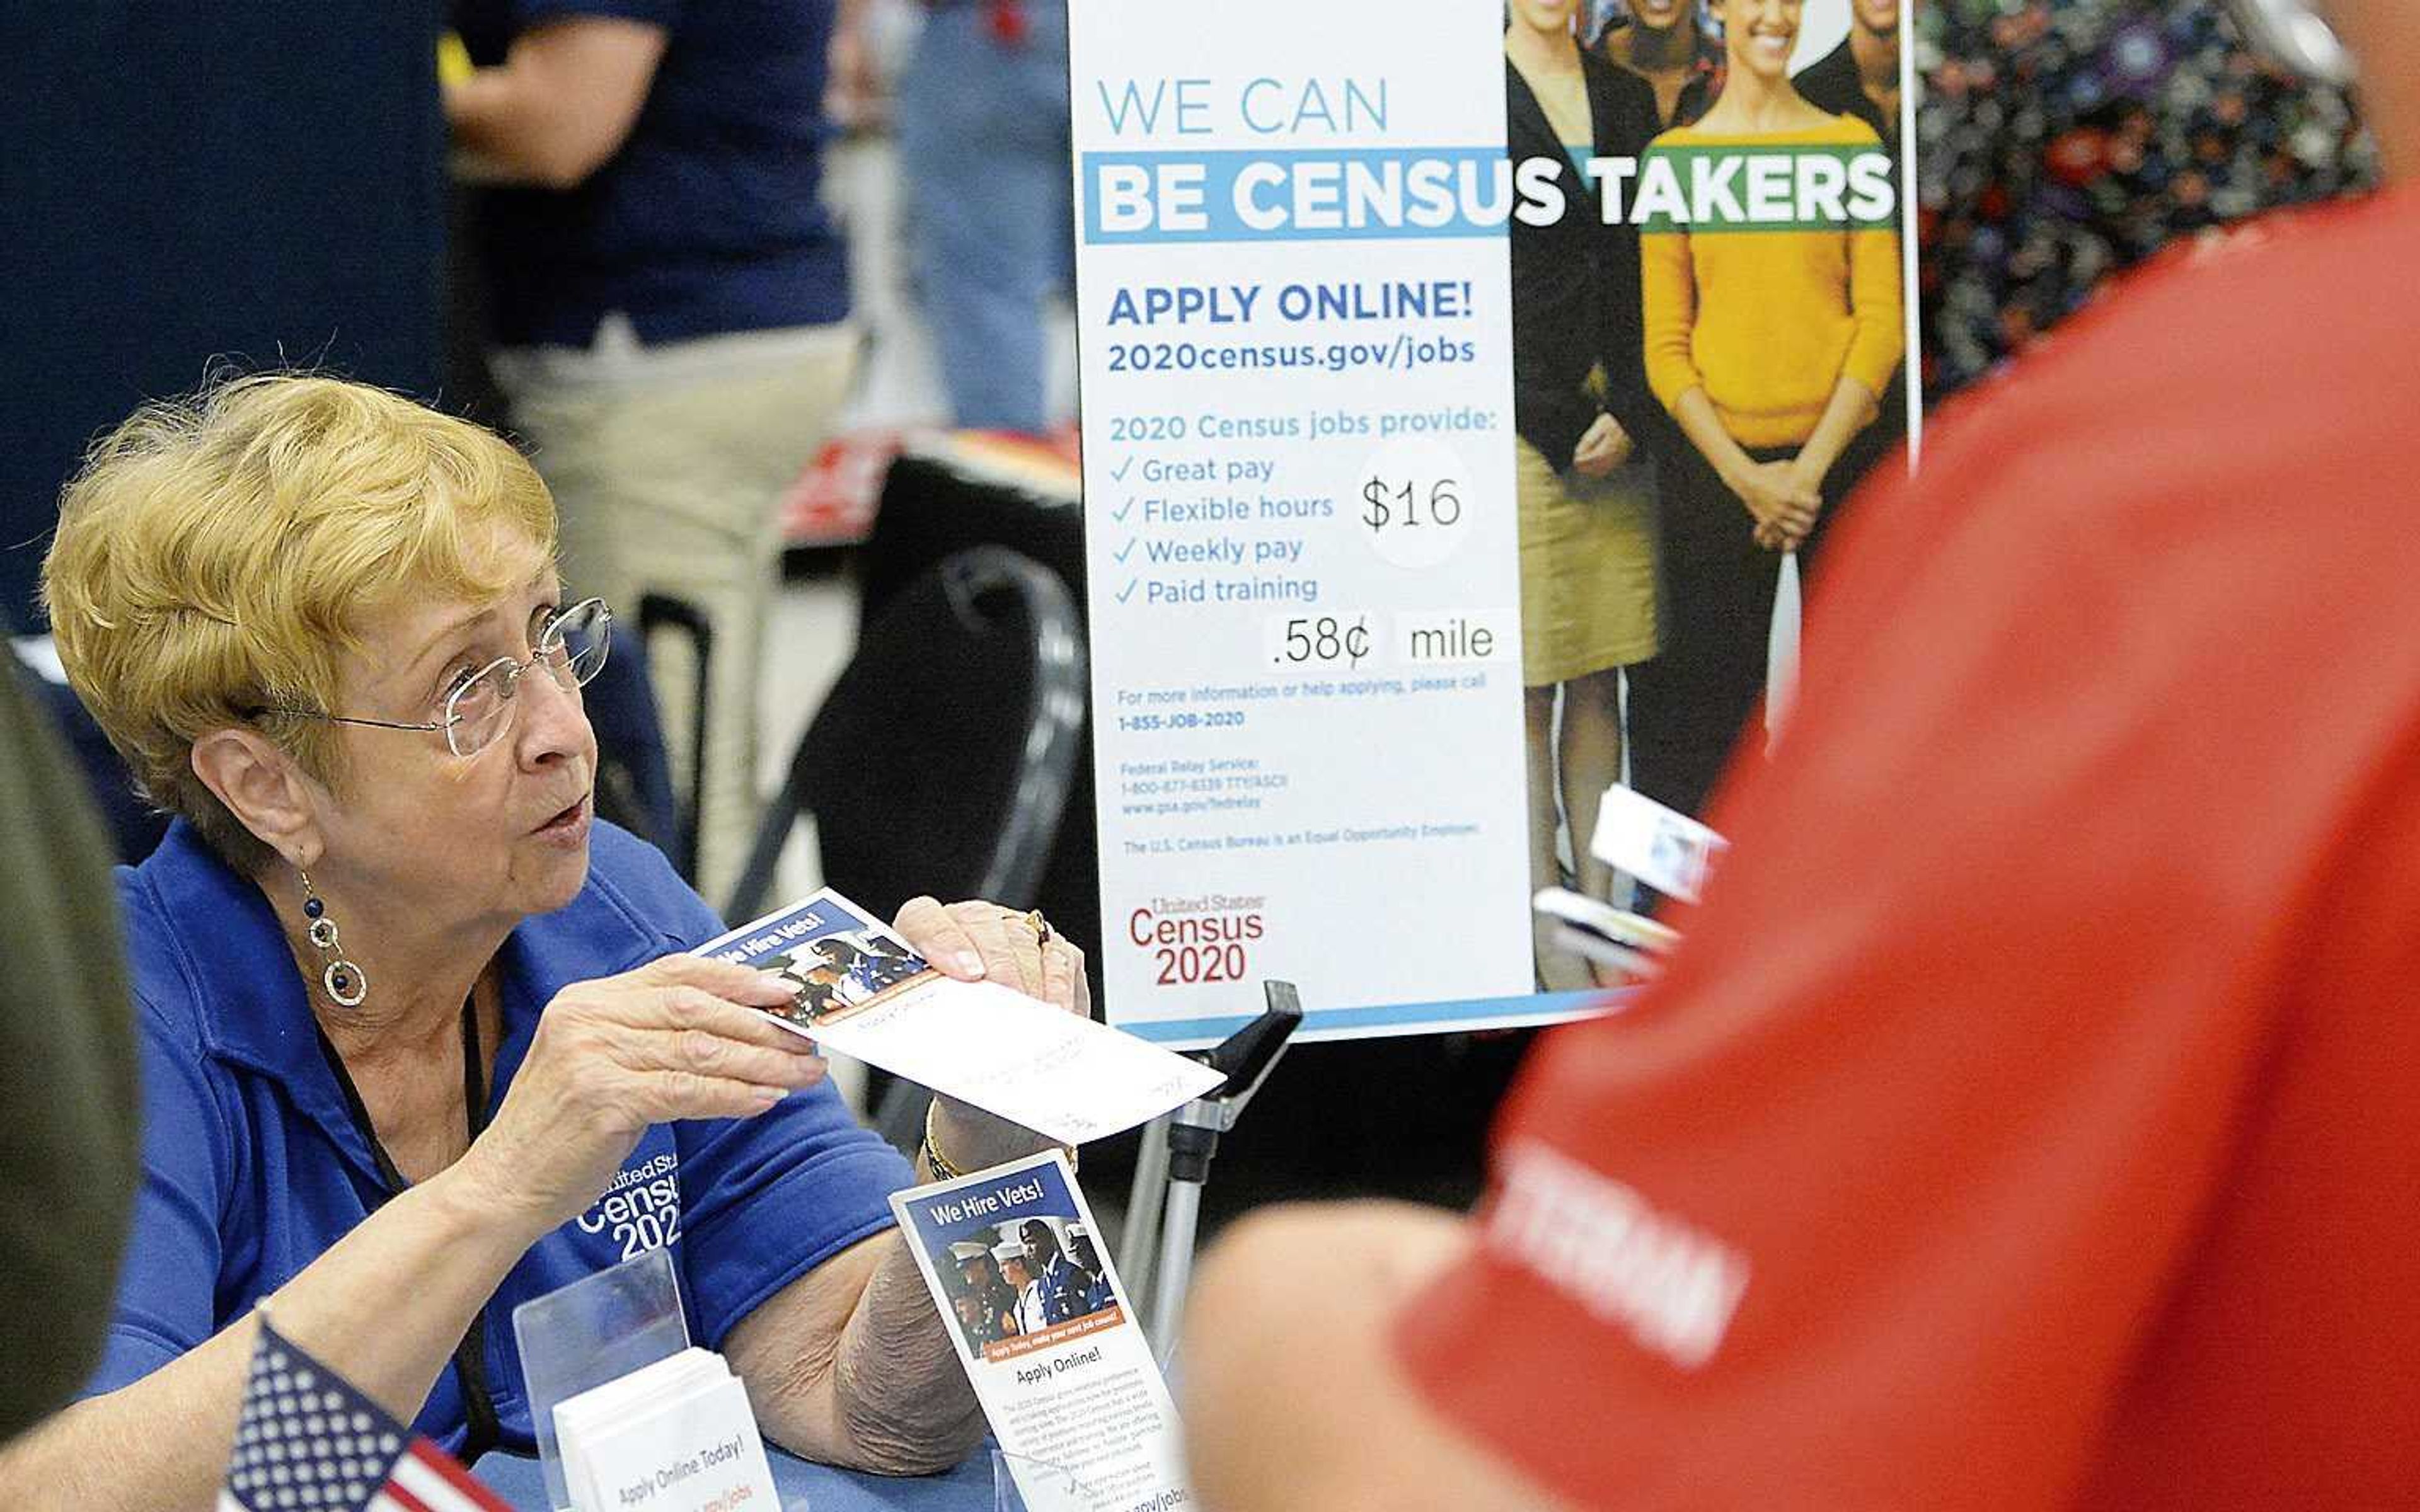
1128,592
1124,552
1121,513
1120,471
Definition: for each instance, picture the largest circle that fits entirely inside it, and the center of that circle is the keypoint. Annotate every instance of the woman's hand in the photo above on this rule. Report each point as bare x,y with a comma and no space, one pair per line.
1782,507
679,1038
979,940
1849,410
1602,447
1803,476
1806,473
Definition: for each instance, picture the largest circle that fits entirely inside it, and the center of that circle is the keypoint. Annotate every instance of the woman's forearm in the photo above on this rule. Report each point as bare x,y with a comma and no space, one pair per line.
1852,408
561,105
1704,429
385,1305
903,1398
851,1365
903,1403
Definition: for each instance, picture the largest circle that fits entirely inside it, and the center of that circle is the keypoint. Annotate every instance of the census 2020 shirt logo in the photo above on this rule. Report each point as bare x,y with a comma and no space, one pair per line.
642,1207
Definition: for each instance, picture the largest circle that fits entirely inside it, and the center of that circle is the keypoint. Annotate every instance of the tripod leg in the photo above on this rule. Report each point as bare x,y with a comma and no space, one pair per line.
1175,1269
1137,1243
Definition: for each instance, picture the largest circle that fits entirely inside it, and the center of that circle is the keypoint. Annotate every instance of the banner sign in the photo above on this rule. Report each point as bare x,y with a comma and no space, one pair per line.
1398,322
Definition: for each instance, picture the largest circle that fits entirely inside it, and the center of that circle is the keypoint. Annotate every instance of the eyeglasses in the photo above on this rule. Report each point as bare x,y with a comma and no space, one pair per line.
571,645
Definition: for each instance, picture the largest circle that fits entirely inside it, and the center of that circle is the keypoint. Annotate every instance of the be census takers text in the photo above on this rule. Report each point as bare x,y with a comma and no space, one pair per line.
1474,190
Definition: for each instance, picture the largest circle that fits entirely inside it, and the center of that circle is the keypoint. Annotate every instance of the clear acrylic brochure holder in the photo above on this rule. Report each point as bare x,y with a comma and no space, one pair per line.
1004,1496
597,1329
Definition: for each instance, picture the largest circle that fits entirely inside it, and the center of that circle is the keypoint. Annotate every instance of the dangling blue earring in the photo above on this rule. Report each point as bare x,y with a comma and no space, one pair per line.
343,981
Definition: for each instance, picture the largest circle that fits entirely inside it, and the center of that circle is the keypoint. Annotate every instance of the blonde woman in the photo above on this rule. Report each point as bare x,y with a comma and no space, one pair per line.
421,1041
1770,346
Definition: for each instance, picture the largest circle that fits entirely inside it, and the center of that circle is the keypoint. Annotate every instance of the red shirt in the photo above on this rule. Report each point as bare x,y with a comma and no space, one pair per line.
2032,1117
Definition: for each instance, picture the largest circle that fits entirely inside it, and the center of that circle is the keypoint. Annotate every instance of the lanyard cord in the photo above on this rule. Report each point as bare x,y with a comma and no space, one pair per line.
471,1355
474,1093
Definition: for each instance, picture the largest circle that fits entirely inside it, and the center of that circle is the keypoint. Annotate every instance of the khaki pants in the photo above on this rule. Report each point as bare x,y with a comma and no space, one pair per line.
667,464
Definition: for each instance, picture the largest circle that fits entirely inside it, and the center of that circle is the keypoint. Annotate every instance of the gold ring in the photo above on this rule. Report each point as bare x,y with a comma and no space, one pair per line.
1040,926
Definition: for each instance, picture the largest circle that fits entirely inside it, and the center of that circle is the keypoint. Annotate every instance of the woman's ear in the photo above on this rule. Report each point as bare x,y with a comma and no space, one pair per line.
261,785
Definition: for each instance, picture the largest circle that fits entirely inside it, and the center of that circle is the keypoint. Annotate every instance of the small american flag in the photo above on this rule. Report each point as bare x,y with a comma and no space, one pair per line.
309,1442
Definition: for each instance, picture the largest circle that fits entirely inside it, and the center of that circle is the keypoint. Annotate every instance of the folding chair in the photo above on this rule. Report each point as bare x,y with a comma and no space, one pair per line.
134,826
634,783
943,759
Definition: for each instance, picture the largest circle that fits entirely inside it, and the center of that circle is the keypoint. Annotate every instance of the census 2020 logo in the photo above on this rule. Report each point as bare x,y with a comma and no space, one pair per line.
642,1207
1198,940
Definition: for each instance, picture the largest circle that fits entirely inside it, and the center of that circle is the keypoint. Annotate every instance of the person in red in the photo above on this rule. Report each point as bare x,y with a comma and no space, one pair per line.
2031,1118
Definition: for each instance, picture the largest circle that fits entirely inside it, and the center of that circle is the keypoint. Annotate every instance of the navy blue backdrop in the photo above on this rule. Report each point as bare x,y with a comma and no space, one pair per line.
262,182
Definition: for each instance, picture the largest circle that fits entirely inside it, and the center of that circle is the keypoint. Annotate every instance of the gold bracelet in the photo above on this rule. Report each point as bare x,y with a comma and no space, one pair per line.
933,1156
947,1170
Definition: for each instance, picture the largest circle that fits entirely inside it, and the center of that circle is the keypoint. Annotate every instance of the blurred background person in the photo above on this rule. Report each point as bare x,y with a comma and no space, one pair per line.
1584,485
68,1145
2062,145
1772,348
984,151
669,304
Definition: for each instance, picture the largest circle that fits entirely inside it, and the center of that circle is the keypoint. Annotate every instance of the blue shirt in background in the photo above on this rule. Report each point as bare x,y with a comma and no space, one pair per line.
710,218
253,1167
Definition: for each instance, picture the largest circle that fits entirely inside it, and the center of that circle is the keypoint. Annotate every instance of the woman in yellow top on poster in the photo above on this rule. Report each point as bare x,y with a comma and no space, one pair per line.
1769,337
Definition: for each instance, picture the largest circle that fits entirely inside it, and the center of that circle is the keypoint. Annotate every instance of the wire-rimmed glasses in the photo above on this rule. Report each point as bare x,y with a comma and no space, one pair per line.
572,645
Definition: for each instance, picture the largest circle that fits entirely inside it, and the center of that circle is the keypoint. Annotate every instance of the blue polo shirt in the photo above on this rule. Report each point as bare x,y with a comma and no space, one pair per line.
711,219
253,1167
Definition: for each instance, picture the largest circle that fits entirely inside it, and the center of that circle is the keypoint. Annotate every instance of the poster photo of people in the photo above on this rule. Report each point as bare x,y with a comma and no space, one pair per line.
1709,355
835,957
1013,1254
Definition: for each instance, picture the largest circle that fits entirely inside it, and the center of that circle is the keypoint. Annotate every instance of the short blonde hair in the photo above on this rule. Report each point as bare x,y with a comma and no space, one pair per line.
217,554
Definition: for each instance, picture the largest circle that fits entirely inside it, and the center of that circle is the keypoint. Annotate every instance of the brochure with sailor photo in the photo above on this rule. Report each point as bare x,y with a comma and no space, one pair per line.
1042,1324
861,992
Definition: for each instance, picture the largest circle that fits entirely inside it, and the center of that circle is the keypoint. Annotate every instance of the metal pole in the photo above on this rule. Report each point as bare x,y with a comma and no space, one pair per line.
1137,1242
1175,1267
1175,1165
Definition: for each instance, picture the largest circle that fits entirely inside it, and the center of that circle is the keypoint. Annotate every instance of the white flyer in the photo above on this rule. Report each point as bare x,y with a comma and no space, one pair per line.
678,1436
1666,849
1300,513
1042,1325
863,992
